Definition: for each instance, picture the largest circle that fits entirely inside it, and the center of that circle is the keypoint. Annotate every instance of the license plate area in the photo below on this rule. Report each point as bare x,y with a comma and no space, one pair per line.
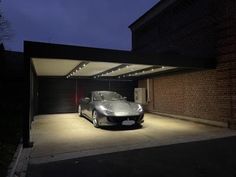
128,122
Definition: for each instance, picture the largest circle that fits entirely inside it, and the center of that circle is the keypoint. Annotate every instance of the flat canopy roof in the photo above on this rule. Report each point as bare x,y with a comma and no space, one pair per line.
59,51
94,70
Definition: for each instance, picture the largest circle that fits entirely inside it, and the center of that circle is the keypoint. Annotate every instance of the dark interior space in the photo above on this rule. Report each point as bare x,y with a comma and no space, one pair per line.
61,95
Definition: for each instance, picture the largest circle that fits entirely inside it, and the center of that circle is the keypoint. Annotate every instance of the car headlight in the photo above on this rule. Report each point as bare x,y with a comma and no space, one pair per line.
103,108
107,111
140,108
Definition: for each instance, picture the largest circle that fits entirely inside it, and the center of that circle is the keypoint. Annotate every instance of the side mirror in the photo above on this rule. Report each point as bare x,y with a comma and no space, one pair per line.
86,100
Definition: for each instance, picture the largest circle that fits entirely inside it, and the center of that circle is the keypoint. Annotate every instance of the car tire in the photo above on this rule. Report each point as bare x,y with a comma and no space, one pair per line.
80,111
95,120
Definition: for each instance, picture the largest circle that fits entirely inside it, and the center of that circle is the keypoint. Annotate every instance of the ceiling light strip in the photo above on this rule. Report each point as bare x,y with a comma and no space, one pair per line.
138,72
109,71
77,69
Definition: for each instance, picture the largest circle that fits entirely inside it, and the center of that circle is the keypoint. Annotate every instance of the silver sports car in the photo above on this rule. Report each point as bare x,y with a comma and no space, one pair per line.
107,108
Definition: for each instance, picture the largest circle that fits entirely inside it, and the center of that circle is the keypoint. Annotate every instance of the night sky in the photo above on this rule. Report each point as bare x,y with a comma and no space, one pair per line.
93,23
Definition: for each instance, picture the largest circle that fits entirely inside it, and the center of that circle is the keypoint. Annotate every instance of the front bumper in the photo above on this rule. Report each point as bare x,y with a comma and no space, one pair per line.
117,120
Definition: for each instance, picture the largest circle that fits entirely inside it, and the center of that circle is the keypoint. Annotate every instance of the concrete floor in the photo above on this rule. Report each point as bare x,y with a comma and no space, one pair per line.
65,136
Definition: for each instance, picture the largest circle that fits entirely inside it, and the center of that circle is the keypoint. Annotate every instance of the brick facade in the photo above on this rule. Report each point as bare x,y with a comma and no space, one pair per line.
226,57
192,94
194,28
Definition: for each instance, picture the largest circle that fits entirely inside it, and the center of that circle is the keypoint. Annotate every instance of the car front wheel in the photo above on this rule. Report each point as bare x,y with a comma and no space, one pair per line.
95,119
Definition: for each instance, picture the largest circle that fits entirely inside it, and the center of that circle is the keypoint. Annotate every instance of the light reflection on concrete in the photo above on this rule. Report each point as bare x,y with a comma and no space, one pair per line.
63,136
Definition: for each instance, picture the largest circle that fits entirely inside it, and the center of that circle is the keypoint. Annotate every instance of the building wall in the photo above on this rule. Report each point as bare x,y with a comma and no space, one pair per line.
192,94
201,29
12,94
186,27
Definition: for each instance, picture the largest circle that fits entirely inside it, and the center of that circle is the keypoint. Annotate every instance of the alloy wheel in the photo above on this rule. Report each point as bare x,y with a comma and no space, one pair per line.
95,121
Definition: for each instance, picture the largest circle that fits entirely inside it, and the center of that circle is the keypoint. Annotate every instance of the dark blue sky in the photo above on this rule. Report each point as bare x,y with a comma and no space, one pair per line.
93,23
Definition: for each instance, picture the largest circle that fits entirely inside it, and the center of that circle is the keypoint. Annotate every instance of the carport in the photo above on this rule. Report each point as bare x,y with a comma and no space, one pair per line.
59,75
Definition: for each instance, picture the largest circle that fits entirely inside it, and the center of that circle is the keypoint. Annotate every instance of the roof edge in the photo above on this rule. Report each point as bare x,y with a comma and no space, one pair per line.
155,10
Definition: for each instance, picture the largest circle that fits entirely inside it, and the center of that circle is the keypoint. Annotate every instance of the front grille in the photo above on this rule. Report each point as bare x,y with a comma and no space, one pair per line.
121,119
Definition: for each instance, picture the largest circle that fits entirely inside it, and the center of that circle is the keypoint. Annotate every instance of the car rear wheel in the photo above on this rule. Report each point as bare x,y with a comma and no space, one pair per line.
95,119
80,111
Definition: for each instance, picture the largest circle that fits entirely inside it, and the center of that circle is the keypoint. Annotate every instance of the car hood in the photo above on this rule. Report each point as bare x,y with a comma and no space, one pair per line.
118,108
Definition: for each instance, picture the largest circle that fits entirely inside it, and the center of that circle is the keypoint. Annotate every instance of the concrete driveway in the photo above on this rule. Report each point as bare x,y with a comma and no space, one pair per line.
65,136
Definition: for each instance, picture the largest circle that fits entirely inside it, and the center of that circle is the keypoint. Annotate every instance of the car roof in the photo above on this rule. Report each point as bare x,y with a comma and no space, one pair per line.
103,91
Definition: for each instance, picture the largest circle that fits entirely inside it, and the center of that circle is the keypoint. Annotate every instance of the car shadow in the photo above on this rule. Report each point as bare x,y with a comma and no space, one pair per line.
121,127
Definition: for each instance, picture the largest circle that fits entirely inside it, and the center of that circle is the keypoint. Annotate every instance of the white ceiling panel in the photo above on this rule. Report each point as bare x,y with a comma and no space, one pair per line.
54,67
94,68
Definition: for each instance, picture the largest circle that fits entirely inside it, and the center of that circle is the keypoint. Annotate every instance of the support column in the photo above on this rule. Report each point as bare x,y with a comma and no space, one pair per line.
26,102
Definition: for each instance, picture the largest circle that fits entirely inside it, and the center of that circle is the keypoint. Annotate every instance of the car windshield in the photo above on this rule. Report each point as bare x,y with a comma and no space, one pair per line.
108,96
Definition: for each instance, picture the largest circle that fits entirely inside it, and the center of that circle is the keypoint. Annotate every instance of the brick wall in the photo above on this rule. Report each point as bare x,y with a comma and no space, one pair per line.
192,94
226,58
